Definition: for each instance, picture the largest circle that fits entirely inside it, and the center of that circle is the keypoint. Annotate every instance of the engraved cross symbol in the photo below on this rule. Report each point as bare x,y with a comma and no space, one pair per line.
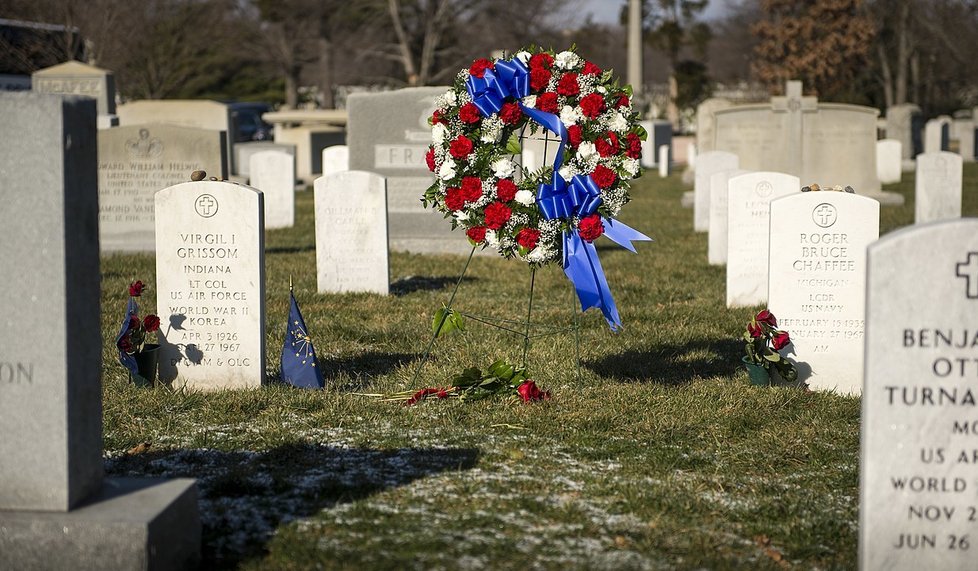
824,215
969,271
206,206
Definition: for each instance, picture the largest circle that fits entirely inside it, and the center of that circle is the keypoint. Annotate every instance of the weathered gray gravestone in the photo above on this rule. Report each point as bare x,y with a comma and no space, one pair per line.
351,233
748,219
273,173
210,285
816,282
706,123
136,162
919,463
707,164
76,78
56,510
937,187
903,123
388,133
196,113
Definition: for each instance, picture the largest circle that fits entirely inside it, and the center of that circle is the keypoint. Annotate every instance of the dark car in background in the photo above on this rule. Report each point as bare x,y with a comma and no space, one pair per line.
248,124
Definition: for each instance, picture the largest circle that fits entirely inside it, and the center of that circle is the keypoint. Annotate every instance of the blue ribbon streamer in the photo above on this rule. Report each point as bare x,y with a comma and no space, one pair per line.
581,197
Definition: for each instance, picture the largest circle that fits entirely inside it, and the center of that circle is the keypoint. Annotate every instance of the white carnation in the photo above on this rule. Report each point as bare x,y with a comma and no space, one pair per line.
461,215
525,197
567,60
618,123
539,254
523,57
502,168
448,99
492,239
447,170
586,150
438,133
570,115
567,172
630,165
530,101
601,89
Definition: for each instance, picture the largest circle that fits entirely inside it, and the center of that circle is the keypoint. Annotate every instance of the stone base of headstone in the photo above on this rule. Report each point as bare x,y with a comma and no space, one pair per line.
688,199
133,523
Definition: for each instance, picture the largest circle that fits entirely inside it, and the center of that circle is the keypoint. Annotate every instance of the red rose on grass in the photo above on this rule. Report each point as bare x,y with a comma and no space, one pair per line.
136,288
529,392
476,233
568,85
151,323
528,238
754,329
421,395
541,61
592,105
436,117
603,176
591,69
469,113
471,188
766,316
607,145
453,199
574,135
539,78
780,340
510,113
622,101
547,102
479,67
497,214
590,228
634,145
460,147
429,159
505,190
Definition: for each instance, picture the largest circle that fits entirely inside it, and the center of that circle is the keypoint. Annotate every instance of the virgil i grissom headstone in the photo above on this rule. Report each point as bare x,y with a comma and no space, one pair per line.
919,456
210,285
57,511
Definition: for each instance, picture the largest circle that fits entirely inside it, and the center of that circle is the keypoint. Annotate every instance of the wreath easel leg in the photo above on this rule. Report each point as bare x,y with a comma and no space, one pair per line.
529,310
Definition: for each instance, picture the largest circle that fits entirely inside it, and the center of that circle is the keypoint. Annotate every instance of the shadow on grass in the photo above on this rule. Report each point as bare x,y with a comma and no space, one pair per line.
412,284
245,496
363,367
289,249
671,365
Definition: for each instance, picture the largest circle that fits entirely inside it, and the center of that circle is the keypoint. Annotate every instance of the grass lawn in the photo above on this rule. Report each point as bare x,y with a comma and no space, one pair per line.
655,454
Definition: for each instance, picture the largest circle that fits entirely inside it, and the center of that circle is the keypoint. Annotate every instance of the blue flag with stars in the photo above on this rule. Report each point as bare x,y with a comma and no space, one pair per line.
128,360
299,367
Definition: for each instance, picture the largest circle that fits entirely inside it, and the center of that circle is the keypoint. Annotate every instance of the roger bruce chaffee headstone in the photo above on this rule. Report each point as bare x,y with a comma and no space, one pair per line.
816,282
136,162
707,164
273,173
388,133
919,459
716,247
210,285
56,509
351,233
748,214
937,187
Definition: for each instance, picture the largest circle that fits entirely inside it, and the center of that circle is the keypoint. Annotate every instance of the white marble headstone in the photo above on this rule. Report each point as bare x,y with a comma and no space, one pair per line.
336,158
937,133
748,216
273,173
816,282
691,155
938,187
664,166
716,246
351,233
210,285
648,159
888,160
707,164
919,462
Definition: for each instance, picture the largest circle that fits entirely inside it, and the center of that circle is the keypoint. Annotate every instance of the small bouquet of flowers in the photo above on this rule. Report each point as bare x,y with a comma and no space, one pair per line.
131,341
501,378
762,343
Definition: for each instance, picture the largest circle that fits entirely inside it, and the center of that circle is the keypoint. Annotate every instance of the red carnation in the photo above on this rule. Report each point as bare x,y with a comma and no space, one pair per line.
591,69
469,113
429,158
460,147
568,85
780,340
151,323
510,113
505,190
574,135
136,288
529,392
547,102
539,78
528,238
541,61
767,317
453,199
607,145
622,100
590,228
497,214
634,144
754,329
592,105
479,67
471,188
603,176
437,117
476,233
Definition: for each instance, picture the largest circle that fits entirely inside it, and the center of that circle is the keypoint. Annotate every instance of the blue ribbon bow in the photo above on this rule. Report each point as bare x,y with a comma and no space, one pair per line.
581,197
